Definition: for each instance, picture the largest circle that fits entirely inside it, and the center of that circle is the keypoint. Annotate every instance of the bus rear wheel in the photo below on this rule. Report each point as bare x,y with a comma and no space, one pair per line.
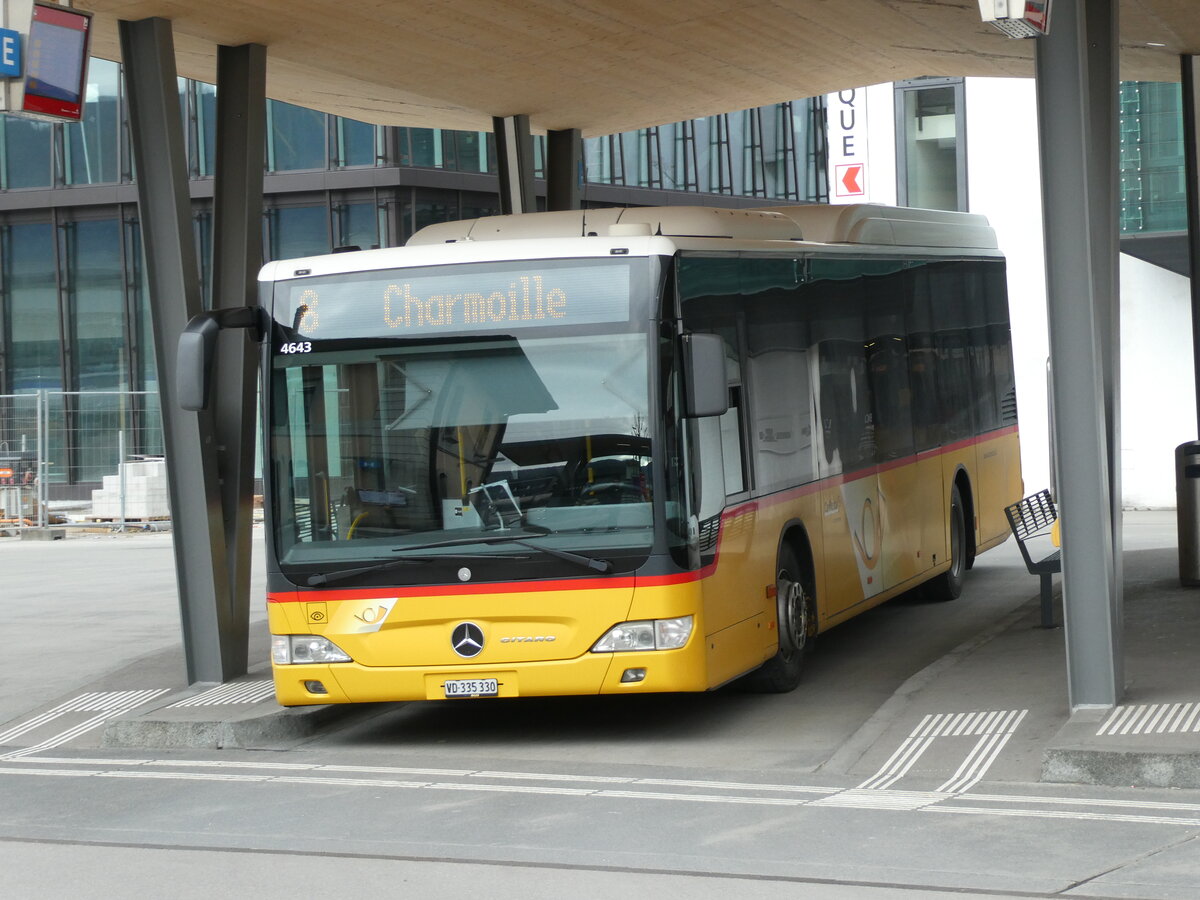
796,625
949,585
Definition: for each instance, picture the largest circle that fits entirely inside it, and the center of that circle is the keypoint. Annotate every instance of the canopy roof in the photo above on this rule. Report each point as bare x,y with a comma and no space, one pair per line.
606,66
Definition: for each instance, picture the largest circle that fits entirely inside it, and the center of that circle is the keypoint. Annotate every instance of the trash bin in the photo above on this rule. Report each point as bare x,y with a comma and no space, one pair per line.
1187,497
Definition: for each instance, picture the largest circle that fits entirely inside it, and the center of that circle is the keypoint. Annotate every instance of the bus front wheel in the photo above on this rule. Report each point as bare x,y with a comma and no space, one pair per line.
796,623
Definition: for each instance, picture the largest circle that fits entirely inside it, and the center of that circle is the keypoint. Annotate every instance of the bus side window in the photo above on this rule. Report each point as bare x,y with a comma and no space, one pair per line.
887,357
846,416
777,365
732,428
956,389
712,315
923,365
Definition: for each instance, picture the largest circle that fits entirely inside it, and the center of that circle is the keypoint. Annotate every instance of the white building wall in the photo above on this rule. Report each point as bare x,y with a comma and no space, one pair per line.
881,138
1157,383
1158,393
1003,184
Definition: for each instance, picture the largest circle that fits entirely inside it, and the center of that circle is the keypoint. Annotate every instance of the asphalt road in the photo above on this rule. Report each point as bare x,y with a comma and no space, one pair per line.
715,795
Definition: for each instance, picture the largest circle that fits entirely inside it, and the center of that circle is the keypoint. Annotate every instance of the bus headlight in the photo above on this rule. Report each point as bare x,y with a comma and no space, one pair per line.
289,649
656,634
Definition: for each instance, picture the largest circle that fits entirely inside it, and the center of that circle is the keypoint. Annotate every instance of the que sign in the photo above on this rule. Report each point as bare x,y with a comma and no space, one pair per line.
846,126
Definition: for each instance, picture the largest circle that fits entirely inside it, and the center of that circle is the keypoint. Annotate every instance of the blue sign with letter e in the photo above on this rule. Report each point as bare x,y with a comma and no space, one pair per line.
10,52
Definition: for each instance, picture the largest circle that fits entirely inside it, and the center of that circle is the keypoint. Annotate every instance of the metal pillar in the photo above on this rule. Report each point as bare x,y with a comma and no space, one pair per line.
564,169
1104,166
237,257
514,149
1069,170
165,210
1190,76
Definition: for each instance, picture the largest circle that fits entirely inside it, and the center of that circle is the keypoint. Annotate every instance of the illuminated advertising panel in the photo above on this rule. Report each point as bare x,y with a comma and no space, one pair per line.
56,57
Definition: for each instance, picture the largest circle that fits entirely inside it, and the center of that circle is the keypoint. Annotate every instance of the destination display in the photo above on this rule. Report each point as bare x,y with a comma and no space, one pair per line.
426,301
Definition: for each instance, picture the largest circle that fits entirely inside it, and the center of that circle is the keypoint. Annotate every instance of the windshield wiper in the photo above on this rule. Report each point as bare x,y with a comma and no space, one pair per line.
603,566
327,578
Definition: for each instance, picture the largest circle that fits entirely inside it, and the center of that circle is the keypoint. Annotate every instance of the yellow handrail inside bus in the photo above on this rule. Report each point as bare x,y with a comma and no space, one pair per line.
462,466
354,524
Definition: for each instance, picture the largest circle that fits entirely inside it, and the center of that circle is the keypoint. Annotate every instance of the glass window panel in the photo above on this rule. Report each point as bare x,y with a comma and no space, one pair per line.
356,143
597,155
144,368
426,147
299,231
96,302
404,147
931,148
435,206
91,146
449,150
295,137
206,127
1153,187
26,153
202,227
358,225
33,313
475,205
472,151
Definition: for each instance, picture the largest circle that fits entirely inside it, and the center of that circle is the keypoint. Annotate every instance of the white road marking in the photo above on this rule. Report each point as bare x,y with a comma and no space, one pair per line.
227,694
1083,809
1152,718
993,727
105,704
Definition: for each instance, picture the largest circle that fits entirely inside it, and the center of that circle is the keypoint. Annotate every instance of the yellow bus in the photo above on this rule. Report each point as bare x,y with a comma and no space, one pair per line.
625,450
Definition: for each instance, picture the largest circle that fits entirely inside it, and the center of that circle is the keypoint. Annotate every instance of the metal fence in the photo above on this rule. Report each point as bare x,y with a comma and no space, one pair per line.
81,458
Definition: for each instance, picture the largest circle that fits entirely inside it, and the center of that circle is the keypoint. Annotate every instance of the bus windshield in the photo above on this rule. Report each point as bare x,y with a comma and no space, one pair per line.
383,447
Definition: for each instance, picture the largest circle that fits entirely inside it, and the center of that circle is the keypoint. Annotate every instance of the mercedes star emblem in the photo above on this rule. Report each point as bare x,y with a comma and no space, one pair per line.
467,639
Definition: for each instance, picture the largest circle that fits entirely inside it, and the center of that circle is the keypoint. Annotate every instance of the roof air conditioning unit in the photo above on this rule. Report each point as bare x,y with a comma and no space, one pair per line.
1017,18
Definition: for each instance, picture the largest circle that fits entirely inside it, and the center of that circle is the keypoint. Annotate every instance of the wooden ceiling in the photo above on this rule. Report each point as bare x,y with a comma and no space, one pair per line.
606,66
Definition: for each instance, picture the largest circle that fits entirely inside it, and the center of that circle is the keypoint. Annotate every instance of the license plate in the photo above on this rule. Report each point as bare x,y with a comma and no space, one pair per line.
472,687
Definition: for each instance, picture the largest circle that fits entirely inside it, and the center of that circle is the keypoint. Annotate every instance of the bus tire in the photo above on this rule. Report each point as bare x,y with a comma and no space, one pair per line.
949,585
796,626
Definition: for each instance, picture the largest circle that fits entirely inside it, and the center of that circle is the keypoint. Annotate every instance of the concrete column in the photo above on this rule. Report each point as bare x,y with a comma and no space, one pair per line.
164,208
237,257
1190,77
514,149
1104,166
564,169
1073,255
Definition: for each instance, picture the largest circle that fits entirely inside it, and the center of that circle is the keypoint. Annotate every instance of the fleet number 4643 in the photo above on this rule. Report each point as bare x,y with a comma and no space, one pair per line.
296,347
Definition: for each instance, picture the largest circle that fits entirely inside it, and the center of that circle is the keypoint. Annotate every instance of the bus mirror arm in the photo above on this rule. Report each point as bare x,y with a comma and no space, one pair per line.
198,347
707,388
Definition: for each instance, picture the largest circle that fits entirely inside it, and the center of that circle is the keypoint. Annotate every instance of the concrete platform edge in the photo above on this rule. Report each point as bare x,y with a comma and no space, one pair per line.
1074,757
279,726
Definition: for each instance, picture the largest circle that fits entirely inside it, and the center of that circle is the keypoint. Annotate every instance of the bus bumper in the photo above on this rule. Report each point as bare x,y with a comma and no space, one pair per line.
593,673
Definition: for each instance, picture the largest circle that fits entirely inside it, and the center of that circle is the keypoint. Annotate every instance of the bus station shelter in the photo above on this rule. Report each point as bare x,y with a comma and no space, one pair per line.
594,67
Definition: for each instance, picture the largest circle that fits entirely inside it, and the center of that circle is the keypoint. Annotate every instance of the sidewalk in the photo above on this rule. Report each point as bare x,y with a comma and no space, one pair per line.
1008,680
1151,739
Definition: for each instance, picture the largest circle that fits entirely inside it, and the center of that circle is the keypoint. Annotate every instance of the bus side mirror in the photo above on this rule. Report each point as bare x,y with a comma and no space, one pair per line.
198,347
706,387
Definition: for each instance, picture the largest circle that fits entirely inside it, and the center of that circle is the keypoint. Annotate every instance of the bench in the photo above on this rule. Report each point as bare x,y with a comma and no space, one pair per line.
1031,518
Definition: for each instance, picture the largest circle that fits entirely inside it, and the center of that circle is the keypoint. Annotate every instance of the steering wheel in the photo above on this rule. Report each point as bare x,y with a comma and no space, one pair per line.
610,492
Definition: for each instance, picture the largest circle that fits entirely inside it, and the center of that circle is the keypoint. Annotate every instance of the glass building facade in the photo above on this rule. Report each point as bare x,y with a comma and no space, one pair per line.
1153,187
74,315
